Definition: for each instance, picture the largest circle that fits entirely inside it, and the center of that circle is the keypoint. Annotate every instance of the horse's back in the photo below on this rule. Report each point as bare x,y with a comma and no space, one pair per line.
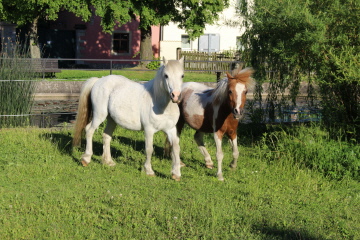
120,98
196,87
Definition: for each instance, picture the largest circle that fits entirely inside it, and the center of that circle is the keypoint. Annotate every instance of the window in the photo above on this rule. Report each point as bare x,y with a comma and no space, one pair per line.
121,43
209,43
185,42
238,44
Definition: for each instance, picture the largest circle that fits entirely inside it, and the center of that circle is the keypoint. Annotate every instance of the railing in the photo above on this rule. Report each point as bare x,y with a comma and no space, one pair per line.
129,64
210,62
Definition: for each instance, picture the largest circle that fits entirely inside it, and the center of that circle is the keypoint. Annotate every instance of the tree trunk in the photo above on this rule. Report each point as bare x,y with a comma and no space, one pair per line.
34,43
146,52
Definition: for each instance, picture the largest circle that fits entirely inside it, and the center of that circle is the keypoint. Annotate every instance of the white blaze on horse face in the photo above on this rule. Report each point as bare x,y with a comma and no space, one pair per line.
239,88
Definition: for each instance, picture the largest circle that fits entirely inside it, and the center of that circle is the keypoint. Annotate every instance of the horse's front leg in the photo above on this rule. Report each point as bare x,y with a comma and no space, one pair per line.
174,141
149,136
235,150
219,153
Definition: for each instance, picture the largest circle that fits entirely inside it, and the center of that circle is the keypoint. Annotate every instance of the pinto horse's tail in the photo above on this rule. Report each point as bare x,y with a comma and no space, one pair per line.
84,110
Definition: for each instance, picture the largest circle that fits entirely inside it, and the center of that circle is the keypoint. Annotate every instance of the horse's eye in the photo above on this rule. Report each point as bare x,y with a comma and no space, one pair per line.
230,92
166,76
182,76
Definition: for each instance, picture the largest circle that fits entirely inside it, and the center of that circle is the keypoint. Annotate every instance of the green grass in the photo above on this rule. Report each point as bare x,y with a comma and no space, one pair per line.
46,194
131,74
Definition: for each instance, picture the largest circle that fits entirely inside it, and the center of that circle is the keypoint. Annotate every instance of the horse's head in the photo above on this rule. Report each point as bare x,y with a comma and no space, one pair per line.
238,85
173,75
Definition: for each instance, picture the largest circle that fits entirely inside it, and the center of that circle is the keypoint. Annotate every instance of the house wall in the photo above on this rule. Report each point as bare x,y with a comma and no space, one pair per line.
92,43
171,34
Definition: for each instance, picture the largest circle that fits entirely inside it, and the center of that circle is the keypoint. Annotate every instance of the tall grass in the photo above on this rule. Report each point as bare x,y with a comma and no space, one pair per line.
16,89
319,150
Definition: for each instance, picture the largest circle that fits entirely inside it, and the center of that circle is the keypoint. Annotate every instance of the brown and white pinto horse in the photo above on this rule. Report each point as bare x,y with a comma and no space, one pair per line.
216,110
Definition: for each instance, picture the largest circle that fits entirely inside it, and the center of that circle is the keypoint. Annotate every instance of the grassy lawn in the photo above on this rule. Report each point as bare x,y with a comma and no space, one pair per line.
135,75
46,194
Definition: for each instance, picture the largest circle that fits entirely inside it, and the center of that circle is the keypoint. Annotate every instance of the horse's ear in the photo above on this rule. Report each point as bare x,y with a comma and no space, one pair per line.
165,61
228,75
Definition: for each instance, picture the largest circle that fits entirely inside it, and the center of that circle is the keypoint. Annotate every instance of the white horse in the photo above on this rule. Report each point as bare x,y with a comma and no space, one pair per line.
150,107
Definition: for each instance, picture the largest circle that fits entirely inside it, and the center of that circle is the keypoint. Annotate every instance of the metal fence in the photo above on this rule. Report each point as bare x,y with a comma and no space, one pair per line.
51,113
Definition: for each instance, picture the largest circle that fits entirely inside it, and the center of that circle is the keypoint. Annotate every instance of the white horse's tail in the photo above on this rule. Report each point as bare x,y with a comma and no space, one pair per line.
84,110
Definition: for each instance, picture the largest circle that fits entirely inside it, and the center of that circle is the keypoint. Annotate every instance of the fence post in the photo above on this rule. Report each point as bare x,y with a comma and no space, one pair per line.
218,76
111,67
178,52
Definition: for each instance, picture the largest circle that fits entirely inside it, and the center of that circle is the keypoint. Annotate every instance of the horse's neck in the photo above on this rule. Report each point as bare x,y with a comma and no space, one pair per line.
159,95
222,111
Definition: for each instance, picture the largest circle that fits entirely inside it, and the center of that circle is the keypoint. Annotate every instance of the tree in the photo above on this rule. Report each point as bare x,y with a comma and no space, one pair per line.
191,15
288,40
30,12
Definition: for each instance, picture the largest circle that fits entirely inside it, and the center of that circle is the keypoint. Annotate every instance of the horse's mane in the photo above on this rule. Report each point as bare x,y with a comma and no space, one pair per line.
241,75
157,82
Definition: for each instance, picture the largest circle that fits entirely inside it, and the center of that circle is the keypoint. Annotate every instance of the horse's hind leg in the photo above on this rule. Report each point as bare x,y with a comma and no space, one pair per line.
90,129
199,136
86,157
98,118
106,157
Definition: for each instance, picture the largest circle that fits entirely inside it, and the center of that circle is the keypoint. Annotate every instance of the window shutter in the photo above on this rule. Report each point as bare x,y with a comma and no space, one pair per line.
209,43
204,43
214,42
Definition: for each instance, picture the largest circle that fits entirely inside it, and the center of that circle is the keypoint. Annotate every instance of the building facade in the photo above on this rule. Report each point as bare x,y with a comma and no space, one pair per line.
218,37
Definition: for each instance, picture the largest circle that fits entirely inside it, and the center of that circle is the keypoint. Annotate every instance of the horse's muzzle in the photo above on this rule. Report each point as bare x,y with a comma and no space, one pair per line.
238,114
175,97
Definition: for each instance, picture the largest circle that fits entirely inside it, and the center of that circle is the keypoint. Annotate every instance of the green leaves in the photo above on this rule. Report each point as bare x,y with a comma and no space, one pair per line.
309,40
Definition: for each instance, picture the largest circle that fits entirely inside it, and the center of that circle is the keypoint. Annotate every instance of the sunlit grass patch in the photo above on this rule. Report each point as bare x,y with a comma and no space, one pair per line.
46,193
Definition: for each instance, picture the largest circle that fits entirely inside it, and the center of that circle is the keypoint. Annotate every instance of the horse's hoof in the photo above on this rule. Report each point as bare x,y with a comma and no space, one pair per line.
220,178
110,164
84,163
233,166
151,174
176,177
209,166
182,164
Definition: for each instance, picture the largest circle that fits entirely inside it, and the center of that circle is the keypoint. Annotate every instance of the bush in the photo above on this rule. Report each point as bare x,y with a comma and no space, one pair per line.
318,41
153,65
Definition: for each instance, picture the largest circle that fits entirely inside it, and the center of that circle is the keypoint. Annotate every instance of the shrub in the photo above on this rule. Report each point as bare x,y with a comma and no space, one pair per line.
153,65
318,41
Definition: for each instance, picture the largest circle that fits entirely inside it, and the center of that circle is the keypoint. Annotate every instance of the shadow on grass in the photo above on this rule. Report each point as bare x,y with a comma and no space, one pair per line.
139,146
63,142
285,234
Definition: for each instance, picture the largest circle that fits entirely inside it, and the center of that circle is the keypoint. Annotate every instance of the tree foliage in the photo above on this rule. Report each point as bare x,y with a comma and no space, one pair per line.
288,40
191,15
